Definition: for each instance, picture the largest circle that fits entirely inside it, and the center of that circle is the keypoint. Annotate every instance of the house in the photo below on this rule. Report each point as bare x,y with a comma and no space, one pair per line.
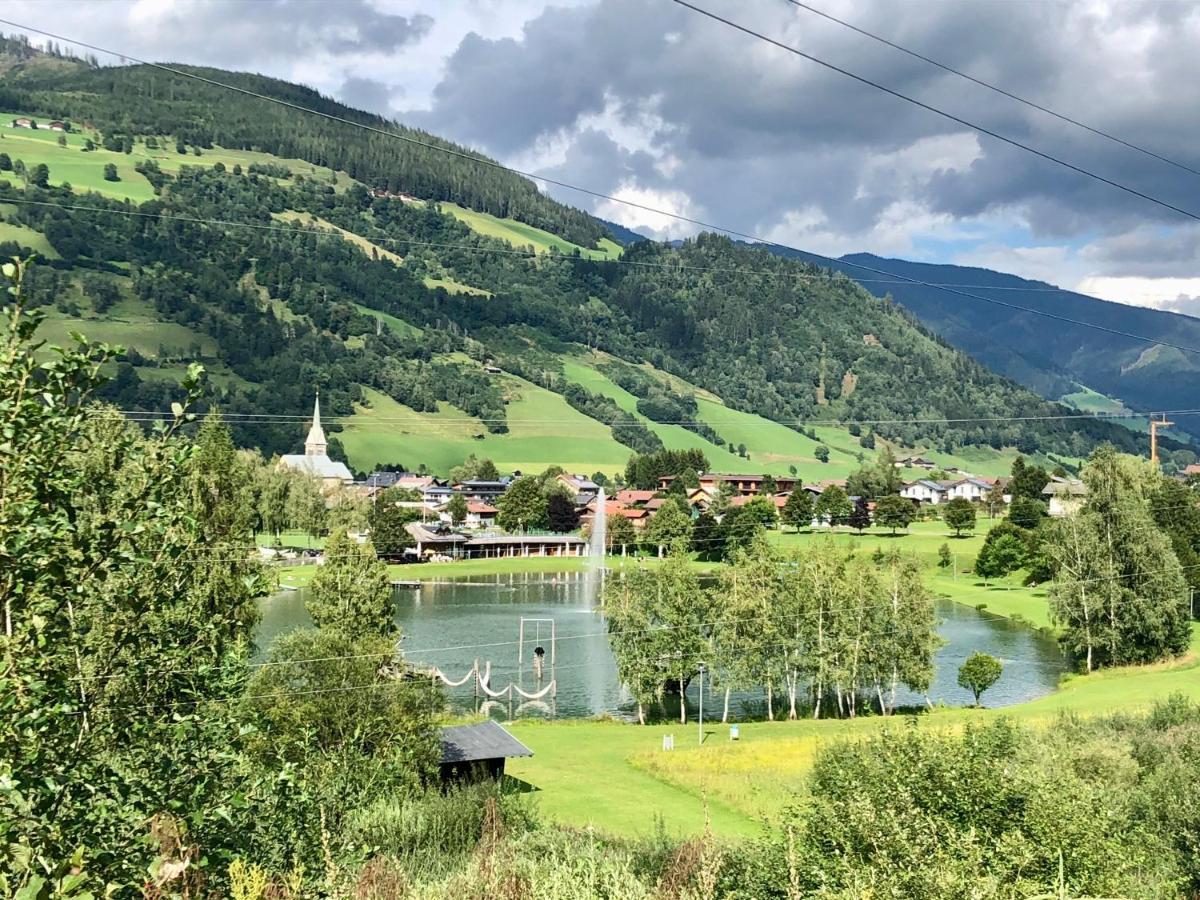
1065,495
926,490
24,123
409,481
315,461
434,541
480,515
56,125
1192,471
635,498
973,489
639,516
436,495
915,462
743,485
474,752
581,486
486,491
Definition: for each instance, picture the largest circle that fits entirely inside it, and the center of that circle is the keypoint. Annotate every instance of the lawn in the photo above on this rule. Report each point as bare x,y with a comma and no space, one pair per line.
518,234
543,430
616,777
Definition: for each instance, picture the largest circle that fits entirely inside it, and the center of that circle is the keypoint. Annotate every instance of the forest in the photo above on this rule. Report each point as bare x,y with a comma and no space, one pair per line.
133,101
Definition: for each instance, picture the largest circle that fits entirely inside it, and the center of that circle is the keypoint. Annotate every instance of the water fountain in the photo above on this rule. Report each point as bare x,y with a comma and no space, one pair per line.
597,542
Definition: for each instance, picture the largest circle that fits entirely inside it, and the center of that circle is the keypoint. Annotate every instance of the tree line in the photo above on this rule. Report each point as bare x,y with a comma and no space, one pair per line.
823,633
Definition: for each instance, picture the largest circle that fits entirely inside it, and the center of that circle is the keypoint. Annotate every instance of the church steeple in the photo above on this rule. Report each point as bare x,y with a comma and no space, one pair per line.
315,444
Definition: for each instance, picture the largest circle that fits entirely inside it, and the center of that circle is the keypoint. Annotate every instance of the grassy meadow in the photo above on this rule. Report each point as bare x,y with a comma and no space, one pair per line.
616,778
518,234
543,430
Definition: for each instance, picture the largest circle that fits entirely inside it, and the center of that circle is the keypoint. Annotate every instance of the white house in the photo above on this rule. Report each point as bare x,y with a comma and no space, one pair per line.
925,490
315,461
1066,496
973,489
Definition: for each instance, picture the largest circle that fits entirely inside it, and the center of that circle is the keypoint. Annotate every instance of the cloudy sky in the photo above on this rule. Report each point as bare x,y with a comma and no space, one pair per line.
649,101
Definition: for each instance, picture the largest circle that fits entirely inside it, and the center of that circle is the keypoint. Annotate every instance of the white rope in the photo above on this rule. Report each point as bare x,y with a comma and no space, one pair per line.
486,677
535,696
446,681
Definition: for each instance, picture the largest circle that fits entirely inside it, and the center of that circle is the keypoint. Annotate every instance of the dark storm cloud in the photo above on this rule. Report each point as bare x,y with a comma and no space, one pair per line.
246,33
757,131
367,93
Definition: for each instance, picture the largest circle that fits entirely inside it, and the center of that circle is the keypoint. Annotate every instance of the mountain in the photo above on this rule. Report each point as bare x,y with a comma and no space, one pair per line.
1055,358
289,252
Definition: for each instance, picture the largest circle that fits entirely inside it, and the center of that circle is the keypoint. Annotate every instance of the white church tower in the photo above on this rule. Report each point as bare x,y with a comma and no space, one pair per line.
315,460
315,444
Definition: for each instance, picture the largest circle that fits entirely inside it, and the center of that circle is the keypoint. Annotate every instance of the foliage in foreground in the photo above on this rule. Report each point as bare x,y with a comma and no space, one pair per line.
1097,808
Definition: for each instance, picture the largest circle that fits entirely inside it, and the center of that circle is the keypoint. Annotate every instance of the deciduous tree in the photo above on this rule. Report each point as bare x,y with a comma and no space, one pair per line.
959,514
798,509
978,673
894,511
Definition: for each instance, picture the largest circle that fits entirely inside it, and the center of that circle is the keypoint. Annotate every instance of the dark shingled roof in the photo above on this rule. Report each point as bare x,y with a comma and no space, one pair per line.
487,740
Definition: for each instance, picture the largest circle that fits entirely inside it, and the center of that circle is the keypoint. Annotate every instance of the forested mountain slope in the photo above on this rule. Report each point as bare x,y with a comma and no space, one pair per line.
1052,357
124,101
284,277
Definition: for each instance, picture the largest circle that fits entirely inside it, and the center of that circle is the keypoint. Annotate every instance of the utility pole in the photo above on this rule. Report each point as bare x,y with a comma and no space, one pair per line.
701,741
1156,424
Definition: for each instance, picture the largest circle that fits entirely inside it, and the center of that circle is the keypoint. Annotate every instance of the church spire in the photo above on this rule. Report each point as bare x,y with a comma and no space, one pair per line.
315,444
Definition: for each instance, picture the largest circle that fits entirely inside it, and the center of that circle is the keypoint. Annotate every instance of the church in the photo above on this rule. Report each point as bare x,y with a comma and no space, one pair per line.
315,460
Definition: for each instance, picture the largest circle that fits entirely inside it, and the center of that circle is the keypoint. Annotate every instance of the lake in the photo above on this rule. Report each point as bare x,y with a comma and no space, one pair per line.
450,624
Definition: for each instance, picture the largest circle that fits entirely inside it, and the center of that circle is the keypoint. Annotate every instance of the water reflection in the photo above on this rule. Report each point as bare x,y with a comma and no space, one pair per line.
454,623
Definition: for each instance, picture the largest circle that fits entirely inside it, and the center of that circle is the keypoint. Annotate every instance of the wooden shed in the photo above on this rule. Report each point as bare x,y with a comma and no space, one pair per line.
474,752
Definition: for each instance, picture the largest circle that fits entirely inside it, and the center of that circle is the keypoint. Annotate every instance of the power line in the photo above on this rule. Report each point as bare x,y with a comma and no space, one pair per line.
995,88
600,195
299,418
933,109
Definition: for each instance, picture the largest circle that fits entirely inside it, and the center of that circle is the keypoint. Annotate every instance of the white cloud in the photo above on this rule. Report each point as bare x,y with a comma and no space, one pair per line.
1160,293
652,224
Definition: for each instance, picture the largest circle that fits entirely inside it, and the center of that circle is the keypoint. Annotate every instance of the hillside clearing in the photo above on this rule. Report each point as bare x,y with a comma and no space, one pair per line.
518,234
543,430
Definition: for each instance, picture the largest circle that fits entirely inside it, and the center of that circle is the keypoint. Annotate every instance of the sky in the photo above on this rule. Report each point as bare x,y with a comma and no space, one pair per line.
651,102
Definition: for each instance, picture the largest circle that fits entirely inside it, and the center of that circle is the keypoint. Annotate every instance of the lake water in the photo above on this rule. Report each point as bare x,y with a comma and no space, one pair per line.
450,624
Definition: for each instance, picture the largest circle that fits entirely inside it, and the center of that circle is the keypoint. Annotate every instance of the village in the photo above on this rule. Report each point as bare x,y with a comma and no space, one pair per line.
455,520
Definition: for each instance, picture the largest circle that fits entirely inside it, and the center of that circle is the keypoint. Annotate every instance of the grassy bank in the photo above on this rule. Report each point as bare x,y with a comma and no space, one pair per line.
615,776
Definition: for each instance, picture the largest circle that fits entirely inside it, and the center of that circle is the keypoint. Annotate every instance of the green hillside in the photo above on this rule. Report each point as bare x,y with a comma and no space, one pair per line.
543,431
396,309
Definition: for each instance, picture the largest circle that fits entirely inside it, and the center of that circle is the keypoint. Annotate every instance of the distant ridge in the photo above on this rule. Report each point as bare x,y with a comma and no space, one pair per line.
1052,358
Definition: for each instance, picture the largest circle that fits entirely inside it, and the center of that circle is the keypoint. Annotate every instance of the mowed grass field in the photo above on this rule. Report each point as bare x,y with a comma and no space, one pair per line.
543,431
518,234
84,170
130,323
27,237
